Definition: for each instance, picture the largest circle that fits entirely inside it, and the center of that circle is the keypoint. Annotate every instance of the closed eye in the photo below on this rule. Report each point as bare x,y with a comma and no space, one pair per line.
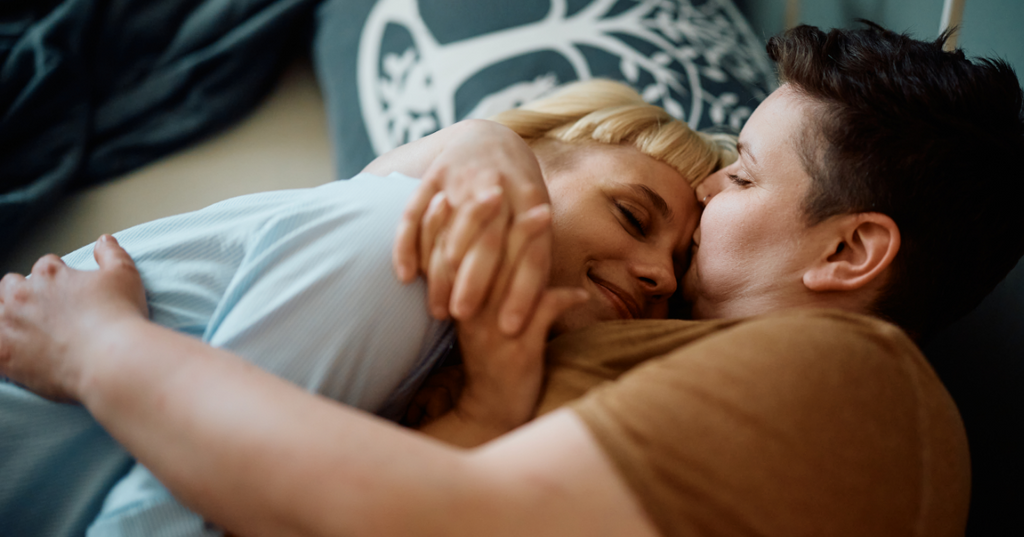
739,181
633,220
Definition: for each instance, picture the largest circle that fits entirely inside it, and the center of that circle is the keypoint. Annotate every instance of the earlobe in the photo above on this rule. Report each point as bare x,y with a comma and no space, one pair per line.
862,248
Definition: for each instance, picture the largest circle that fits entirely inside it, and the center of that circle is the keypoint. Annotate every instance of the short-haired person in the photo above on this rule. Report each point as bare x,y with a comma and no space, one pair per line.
881,180
298,282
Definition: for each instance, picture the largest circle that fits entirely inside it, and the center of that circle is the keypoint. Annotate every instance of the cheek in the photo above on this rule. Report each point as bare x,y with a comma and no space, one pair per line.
731,230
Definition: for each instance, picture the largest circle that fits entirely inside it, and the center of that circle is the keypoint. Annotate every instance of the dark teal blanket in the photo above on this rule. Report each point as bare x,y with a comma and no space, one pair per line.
90,89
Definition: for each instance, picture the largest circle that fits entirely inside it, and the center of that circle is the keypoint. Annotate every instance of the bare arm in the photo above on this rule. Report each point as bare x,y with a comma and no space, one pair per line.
261,457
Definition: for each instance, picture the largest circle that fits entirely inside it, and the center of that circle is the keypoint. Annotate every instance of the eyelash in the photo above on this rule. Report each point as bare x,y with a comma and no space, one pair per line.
738,181
633,220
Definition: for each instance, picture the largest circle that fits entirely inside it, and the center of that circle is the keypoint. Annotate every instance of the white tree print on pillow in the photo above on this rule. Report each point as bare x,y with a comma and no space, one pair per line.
404,96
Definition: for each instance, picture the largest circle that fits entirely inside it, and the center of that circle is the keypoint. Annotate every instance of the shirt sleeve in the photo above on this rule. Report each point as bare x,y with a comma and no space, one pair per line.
315,300
804,423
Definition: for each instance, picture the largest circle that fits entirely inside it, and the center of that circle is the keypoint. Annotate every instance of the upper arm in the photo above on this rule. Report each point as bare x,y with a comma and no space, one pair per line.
315,303
551,477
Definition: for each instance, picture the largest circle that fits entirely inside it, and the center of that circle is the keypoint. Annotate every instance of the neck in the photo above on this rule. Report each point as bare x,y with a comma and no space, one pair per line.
853,301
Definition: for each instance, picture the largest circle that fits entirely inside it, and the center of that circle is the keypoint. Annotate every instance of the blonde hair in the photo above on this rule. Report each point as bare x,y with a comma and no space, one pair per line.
613,113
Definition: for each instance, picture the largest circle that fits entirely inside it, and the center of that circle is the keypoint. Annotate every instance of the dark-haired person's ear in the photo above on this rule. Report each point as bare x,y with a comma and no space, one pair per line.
863,247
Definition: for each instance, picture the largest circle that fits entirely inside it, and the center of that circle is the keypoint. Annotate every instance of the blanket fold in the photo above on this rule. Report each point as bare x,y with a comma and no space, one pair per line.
91,89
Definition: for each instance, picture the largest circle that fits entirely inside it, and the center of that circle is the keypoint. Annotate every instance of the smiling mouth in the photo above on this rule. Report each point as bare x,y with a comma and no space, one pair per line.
624,304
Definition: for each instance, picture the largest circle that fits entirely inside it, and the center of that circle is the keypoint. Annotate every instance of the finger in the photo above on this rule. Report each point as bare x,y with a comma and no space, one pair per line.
404,255
530,244
434,219
110,256
525,227
553,303
476,277
48,265
439,284
470,220
525,195
12,288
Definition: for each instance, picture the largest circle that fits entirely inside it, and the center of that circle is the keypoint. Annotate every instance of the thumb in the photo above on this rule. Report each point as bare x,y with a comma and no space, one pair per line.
110,256
553,303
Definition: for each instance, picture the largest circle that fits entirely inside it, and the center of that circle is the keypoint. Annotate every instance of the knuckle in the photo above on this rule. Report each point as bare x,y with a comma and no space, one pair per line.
433,176
20,294
531,194
451,257
11,288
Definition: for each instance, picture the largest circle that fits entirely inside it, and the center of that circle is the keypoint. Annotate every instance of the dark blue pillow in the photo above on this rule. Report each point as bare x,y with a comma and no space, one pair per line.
393,71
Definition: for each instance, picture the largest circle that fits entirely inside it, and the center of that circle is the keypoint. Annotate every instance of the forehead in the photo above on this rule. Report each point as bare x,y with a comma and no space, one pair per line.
772,142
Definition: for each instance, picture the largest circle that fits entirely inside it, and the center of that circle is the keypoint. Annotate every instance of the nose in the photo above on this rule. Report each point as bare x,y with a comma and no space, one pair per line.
655,272
711,186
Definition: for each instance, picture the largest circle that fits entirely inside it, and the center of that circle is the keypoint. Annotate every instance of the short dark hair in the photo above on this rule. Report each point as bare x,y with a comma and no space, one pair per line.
925,136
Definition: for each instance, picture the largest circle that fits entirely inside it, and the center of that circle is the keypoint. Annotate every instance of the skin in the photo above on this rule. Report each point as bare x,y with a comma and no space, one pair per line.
510,202
754,250
261,457
490,178
621,223
753,242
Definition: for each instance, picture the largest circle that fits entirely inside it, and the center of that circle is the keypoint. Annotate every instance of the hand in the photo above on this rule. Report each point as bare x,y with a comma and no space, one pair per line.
46,318
489,180
436,397
503,373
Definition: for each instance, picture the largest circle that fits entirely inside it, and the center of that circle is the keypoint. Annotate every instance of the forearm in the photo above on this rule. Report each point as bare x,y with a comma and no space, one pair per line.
415,158
259,455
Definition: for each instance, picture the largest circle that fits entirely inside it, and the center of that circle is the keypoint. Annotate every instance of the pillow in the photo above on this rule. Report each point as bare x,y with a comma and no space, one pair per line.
393,71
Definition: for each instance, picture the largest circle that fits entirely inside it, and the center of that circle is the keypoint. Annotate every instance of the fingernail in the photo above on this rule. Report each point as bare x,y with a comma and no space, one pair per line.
104,238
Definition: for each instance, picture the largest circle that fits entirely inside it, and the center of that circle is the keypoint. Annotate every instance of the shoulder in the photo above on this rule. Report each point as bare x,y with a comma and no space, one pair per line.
802,411
814,338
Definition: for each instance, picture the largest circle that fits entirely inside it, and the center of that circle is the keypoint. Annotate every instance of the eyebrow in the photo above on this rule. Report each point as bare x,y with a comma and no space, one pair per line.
655,199
741,149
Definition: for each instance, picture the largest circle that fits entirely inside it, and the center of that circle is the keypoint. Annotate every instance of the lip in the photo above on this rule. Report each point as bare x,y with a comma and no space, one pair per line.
621,300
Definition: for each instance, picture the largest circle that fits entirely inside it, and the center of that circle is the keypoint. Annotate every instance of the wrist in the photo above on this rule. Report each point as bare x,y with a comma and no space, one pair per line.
103,355
494,407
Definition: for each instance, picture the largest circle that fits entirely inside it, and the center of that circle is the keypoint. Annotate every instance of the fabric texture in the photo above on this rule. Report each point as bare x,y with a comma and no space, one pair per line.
394,71
806,422
298,282
91,89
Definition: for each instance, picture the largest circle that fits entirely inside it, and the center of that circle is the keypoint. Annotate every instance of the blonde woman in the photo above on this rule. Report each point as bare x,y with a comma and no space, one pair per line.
298,283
